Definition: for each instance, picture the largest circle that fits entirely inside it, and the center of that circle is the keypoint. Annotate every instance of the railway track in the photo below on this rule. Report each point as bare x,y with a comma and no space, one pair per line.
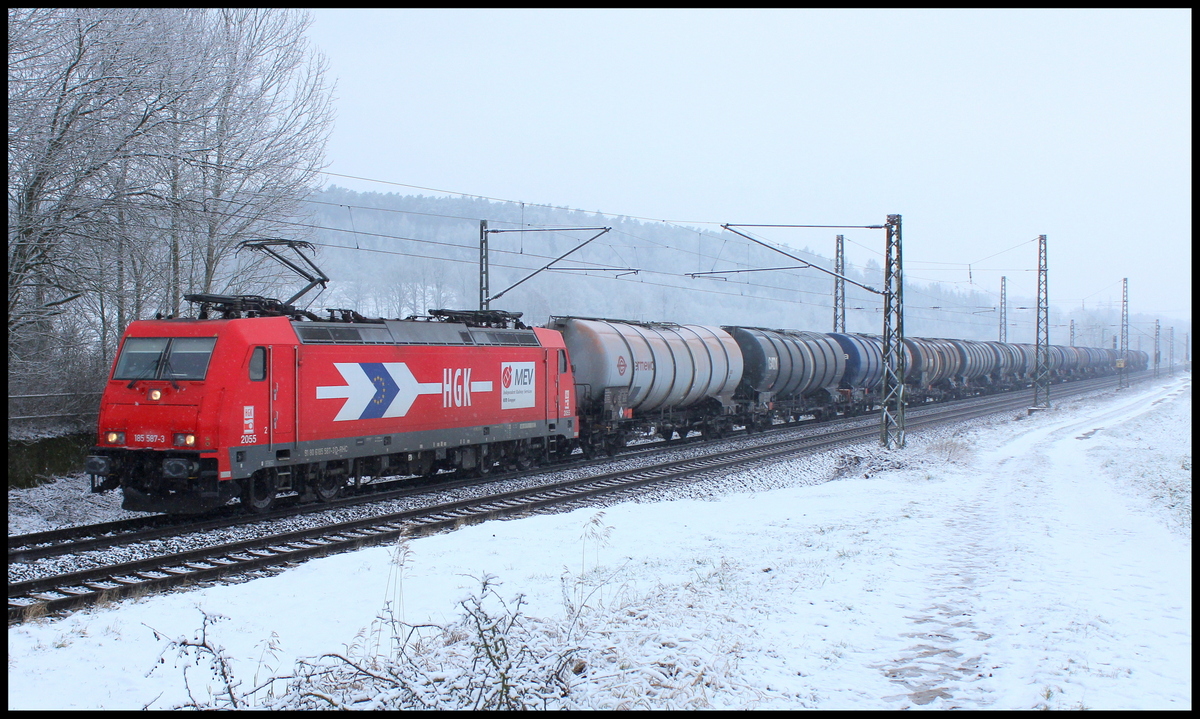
71,590
71,540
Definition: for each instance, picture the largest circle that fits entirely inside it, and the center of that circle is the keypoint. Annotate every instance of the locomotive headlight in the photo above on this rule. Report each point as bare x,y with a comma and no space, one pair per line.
185,440
156,394
115,437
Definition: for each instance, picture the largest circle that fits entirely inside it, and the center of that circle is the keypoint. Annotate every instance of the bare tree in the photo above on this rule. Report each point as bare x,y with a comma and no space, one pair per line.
255,155
144,144
86,89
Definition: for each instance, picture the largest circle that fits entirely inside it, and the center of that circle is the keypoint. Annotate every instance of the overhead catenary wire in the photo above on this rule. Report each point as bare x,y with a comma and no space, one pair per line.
470,261
598,266
700,255
194,161
616,231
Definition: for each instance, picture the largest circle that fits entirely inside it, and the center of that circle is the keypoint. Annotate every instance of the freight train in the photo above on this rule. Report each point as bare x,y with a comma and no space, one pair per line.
266,400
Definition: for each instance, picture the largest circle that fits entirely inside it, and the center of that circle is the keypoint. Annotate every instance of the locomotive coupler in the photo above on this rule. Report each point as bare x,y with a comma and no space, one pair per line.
100,468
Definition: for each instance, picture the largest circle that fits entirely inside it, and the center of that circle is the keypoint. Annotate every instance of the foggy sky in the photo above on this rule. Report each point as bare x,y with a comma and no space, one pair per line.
982,128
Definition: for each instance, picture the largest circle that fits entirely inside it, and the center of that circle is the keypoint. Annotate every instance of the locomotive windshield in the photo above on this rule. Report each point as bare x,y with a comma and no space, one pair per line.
170,358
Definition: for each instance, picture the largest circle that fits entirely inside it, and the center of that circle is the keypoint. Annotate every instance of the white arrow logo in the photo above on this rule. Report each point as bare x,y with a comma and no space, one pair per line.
407,388
375,389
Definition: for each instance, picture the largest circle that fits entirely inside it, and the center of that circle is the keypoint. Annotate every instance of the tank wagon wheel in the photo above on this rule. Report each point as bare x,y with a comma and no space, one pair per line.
258,495
613,443
328,486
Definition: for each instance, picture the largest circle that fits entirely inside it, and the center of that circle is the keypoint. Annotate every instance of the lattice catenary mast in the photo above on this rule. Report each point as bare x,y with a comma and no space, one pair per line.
1171,351
1041,374
1122,382
1157,353
839,286
892,389
1003,309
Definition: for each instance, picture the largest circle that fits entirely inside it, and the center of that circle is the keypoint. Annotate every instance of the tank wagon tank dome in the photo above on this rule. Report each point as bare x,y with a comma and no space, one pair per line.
662,365
788,363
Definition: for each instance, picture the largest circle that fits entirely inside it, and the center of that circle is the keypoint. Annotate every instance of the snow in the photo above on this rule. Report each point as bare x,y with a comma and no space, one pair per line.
1015,563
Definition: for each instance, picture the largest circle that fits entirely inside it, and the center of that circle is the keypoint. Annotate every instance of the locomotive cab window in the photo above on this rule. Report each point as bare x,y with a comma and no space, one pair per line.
140,358
258,364
562,361
172,358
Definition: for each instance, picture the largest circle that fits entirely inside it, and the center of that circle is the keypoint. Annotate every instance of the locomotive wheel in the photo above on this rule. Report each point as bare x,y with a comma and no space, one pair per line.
259,493
328,487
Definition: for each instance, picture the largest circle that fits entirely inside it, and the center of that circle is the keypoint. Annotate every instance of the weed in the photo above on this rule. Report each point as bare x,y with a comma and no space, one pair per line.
35,611
950,450
597,531
200,646
138,592
114,629
395,582
1049,691
269,646
490,659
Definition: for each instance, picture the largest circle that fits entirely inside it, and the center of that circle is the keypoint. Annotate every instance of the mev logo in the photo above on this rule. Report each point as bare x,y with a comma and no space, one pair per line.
517,384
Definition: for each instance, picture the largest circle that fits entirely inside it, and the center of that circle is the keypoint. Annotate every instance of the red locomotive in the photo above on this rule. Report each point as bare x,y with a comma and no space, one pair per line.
270,399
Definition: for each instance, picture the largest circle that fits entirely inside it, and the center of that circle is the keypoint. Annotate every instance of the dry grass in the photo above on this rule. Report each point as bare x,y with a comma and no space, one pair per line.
950,450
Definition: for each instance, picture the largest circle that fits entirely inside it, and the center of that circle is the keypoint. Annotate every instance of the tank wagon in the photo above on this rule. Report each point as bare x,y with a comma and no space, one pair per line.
650,378
864,369
788,372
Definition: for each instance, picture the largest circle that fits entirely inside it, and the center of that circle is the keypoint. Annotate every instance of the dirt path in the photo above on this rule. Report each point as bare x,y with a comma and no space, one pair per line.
1033,575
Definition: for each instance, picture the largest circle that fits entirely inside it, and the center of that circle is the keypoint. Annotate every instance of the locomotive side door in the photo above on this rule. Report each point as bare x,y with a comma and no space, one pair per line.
281,410
558,404
552,406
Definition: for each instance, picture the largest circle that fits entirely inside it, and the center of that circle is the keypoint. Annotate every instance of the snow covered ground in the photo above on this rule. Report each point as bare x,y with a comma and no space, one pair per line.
1021,562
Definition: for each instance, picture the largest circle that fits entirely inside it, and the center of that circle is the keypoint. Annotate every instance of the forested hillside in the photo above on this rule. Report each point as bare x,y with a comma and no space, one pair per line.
407,254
